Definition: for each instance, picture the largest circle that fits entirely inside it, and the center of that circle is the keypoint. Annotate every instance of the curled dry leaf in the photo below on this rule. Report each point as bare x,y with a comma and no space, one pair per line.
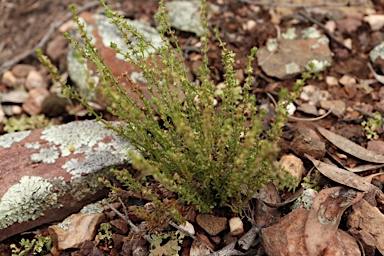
324,217
292,198
370,219
378,77
342,176
351,148
360,168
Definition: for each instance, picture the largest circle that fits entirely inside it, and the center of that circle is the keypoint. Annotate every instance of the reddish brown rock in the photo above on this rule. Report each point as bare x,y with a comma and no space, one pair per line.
211,224
129,76
120,226
50,173
306,141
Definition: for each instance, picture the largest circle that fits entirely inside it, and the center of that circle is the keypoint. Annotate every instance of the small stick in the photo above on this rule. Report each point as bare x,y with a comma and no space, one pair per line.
130,223
247,240
181,229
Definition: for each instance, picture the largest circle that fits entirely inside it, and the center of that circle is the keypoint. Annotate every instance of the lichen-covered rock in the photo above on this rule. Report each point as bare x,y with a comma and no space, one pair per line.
50,173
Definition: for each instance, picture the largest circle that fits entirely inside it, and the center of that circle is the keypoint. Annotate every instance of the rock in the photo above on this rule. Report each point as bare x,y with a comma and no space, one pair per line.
9,79
198,249
293,165
305,200
306,141
331,81
57,47
313,95
14,97
377,55
35,79
103,33
120,226
236,226
293,55
338,106
22,70
53,105
56,172
308,109
375,21
188,227
35,100
211,224
75,230
185,16
349,24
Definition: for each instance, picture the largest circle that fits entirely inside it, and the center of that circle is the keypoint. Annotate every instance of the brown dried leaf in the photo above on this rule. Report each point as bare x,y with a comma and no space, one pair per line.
370,219
351,148
342,176
292,198
324,217
360,168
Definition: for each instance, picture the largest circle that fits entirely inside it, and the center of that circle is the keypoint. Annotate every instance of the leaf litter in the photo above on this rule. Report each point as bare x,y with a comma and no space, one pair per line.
351,147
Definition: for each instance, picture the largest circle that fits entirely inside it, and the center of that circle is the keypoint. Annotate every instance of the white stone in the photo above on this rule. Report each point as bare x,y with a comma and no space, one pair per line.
236,226
188,227
376,21
293,165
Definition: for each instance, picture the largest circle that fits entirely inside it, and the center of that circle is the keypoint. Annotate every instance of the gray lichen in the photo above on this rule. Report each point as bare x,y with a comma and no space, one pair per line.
26,200
46,155
33,145
92,209
76,137
376,52
64,225
94,161
7,140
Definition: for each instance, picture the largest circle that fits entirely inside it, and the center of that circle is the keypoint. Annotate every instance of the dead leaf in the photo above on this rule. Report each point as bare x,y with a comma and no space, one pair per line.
292,198
360,168
378,77
324,217
370,219
351,148
342,176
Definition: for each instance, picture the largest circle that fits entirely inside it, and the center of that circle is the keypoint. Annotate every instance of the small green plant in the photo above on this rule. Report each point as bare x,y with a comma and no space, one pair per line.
165,243
211,156
24,122
105,233
372,124
40,246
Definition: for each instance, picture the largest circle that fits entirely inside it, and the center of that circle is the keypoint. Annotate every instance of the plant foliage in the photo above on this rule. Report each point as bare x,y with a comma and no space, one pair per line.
210,155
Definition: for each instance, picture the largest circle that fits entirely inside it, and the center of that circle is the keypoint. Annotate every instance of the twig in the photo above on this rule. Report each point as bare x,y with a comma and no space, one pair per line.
247,240
130,223
181,229
293,5
299,118
227,251
46,37
326,31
